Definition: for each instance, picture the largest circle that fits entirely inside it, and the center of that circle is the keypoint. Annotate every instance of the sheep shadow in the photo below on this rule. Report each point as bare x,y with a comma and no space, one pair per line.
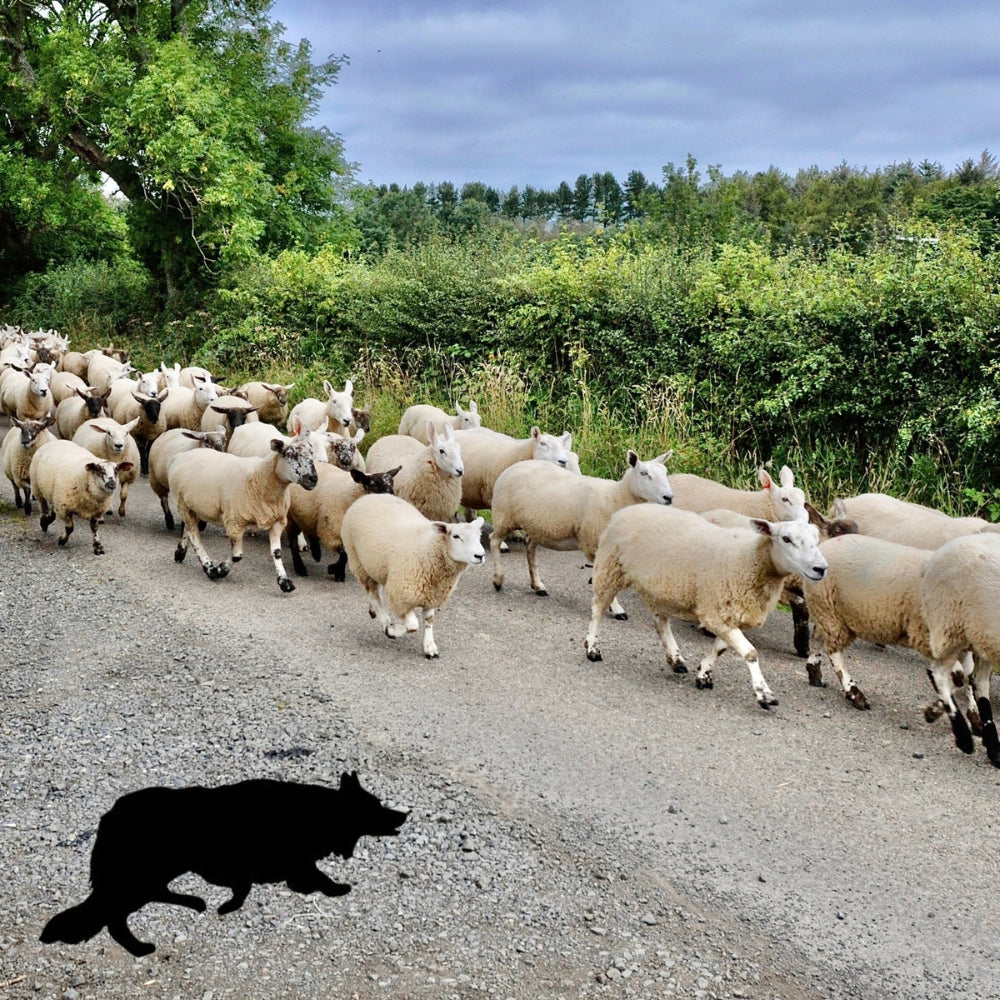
256,831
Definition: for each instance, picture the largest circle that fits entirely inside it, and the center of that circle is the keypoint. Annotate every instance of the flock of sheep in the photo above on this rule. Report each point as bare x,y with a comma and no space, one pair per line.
84,425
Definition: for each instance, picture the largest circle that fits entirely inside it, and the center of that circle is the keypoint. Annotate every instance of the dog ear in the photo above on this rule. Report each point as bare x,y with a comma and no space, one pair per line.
350,780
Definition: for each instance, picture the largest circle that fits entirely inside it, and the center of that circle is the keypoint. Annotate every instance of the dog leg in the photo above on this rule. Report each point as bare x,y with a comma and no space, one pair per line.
118,929
313,880
240,893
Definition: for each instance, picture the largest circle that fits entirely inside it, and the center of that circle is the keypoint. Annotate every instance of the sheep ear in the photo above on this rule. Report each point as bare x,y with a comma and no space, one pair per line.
473,406
349,387
665,457
361,478
294,424
478,523
760,525
815,517
765,479
567,440
536,432
632,458
431,430
394,472
358,437
327,388
448,433
123,467
839,508
277,444
441,527
787,477
95,467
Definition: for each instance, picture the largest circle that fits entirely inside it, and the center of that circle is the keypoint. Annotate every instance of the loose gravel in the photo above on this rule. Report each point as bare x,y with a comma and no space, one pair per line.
574,832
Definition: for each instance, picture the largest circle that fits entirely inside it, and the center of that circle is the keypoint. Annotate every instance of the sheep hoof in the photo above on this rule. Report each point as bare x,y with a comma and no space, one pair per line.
594,655
705,684
815,673
541,593
764,704
170,523
216,572
431,656
856,697
285,584
681,668
388,634
497,586
98,549
47,521
621,617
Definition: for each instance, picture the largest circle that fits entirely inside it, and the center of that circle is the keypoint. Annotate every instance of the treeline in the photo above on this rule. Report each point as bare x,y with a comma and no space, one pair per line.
689,208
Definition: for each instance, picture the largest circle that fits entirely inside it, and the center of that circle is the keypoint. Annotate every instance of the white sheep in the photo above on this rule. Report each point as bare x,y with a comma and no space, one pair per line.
336,414
239,494
85,404
65,384
20,443
270,398
232,411
168,378
106,438
872,592
69,481
414,421
959,595
166,448
25,393
253,440
405,561
774,501
105,369
558,510
190,376
317,515
486,454
185,406
74,362
724,579
908,523
431,474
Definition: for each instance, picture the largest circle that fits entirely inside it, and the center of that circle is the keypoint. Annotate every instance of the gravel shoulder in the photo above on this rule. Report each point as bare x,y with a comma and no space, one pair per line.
577,830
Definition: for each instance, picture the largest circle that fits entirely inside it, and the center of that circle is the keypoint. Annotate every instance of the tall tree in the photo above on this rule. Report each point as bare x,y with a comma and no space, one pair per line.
196,109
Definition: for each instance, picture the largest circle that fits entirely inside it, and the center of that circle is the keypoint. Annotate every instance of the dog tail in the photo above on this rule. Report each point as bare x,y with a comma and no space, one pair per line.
78,923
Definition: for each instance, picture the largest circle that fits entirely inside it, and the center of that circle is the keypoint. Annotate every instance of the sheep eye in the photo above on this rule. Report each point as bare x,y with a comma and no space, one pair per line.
787,539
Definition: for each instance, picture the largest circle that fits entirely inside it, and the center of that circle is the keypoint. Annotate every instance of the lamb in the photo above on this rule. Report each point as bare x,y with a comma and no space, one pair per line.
184,406
106,438
414,421
25,393
724,579
270,398
85,405
959,596
431,475
486,454
166,448
558,510
405,561
336,414
19,447
239,494
70,482
319,514
872,591
232,411
909,523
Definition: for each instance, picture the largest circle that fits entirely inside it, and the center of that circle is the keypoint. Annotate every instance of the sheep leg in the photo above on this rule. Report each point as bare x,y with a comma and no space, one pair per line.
742,645
531,551
401,626
430,647
961,678
123,496
852,692
48,516
68,530
295,541
379,609
982,669
274,537
608,580
168,516
814,668
703,678
338,570
495,542
674,659
618,611
940,675
98,547
800,620
190,535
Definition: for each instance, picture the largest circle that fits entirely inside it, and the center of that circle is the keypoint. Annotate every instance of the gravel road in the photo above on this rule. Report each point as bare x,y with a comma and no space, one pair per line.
577,830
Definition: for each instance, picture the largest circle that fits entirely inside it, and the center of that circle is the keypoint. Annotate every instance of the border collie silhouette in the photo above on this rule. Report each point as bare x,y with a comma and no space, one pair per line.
256,831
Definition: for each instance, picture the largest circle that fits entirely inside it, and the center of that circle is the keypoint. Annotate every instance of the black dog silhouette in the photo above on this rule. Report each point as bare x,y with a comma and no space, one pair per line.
234,836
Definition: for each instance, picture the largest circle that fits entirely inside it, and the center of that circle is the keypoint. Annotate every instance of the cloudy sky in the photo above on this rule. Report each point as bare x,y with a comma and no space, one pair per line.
519,92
